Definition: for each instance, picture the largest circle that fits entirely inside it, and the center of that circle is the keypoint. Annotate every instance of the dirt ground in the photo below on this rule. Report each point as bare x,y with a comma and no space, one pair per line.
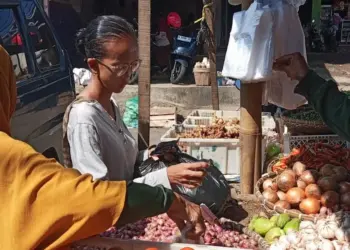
247,206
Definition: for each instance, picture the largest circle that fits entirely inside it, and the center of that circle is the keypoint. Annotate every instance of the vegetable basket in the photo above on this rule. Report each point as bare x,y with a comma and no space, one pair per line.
270,207
301,126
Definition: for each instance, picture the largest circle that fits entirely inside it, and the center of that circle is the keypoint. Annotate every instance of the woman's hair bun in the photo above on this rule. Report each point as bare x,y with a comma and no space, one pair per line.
80,41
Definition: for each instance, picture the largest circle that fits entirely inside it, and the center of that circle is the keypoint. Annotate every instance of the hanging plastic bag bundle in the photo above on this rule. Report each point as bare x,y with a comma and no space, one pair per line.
289,38
249,55
214,191
267,30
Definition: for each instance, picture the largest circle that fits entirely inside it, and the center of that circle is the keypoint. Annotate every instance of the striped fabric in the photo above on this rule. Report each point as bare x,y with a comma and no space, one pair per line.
67,159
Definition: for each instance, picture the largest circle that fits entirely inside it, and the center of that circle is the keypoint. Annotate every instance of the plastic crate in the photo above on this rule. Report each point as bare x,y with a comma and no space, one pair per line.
225,153
267,121
290,142
218,113
212,113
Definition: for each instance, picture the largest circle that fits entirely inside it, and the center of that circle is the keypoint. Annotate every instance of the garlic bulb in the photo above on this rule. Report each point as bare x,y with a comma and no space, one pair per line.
327,228
339,234
327,245
337,245
313,245
293,238
308,234
307,225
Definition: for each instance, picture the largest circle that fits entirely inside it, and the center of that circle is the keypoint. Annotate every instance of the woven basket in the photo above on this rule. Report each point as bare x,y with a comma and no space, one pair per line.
263,245
270,206
202,76
297,126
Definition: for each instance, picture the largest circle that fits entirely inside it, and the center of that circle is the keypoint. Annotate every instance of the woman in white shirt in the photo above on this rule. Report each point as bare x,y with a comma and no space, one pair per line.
98,142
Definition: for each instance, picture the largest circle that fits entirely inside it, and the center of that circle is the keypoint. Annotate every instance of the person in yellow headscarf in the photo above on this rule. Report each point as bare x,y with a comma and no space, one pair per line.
46,206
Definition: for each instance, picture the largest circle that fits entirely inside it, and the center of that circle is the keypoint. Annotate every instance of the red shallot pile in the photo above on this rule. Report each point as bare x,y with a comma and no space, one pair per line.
162,229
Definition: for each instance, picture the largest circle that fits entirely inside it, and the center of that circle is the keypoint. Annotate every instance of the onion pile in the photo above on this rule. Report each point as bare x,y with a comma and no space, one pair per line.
308,190
162,229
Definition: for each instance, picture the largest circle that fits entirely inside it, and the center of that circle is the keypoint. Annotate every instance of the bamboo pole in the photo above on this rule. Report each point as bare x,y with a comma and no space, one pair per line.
250,131
144,29
210,20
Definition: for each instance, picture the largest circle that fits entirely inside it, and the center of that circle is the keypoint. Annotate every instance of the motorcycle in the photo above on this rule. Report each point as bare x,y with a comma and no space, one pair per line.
329,33
181,59
316,43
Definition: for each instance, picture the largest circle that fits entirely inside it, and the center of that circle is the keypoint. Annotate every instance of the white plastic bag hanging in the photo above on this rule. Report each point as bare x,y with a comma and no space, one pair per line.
288,38
268,30
249,55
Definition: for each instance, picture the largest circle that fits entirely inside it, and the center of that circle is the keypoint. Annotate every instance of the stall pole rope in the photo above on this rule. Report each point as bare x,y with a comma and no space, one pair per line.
209,15
144,29
250,131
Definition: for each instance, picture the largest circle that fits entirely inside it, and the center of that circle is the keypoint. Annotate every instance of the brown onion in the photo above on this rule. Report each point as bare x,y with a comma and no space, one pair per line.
282,204
341,173
295,196
327,170
290,171
345,199
327,184
329,199
299,168
286,181
269,183
301,184
309,177
310,206
344,187
270,195
313,191
281,195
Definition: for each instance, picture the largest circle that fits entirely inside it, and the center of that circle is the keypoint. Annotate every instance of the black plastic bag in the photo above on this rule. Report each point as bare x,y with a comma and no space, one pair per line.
214,191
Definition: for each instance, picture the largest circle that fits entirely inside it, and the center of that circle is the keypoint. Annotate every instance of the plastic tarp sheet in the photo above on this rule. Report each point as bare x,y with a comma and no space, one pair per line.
7,20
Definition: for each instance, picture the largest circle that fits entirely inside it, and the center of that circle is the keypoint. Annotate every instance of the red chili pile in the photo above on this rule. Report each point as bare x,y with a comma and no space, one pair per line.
162,229
316,156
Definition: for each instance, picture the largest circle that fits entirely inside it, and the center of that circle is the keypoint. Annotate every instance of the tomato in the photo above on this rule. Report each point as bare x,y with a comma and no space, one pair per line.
295,151
187,248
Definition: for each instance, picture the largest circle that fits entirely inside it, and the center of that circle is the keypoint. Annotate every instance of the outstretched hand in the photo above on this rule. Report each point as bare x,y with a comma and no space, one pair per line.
185,213
189,175
294,65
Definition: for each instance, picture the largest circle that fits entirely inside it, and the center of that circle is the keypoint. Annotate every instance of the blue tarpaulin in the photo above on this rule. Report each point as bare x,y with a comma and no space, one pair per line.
7,21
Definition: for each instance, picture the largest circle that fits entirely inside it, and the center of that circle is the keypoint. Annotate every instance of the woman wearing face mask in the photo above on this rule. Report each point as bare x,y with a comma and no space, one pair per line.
97,141
47,206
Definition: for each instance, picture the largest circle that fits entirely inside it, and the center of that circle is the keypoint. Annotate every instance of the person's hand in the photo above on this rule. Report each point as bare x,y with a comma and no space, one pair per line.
189,175
294,65
185,213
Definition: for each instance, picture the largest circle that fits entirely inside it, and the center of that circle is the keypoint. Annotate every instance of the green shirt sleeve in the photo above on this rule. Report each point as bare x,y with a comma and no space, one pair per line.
325,97
144,201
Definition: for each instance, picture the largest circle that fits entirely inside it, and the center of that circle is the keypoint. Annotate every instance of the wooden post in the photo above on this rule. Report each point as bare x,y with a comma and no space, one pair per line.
250,131
144,29
210,20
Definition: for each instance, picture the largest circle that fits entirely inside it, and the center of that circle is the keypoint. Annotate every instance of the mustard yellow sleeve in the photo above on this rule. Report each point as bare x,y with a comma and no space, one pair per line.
46,206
